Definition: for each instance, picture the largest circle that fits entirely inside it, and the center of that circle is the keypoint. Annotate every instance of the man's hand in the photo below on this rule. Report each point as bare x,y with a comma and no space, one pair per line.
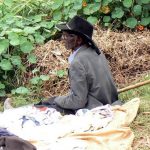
51,104
50,101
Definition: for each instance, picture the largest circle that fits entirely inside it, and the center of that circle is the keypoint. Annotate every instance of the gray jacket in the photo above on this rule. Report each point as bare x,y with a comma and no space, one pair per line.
90,80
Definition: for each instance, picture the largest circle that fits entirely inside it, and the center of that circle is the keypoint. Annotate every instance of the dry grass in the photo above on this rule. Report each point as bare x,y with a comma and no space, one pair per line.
52,57
128,55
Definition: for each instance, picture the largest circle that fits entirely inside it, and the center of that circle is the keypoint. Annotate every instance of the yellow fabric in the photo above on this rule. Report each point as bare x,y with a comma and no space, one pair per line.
107,139
116,136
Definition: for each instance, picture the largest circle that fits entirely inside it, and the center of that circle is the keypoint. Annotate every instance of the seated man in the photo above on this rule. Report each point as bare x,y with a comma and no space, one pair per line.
91,83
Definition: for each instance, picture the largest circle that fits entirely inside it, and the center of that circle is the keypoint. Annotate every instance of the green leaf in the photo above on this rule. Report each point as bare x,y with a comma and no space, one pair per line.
2,86
57,15
139,2
137,9
47,25
92,20
14,38
8,2
2,34
2,93
77,5
22,68
145,21
56,4
35,70
117,13
66,12
19,24
31,38
72,13
7,56
5,77
15,42
145,1
22,90
50,25
44,77
106,2
26,47
67,2
22,39
37,18
17,30
127,3
35,80
13,91
131,22
106,19
91,8
6,65
16,60
39,38
4,44
29,30
12,35
32,58
60,73
146,11
106,24
37,27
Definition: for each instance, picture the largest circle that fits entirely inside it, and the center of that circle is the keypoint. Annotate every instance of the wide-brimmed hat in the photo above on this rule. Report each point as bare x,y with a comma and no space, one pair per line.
81,27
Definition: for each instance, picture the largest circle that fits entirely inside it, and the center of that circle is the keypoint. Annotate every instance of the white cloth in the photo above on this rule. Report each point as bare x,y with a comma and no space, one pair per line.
104,127
71,57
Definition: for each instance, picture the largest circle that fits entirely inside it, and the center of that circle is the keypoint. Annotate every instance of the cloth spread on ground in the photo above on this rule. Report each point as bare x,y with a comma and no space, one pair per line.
105,127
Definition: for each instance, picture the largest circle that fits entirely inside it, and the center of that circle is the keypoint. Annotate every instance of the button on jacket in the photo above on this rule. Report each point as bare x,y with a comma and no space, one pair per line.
90,80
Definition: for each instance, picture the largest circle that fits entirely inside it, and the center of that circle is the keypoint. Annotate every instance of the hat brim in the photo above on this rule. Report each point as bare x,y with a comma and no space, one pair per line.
64,27
61,27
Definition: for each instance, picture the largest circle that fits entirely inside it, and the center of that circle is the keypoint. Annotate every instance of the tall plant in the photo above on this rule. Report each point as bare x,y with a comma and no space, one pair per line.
23,25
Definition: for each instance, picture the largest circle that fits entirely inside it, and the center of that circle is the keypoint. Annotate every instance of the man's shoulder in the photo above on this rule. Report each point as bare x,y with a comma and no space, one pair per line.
82,57
84,52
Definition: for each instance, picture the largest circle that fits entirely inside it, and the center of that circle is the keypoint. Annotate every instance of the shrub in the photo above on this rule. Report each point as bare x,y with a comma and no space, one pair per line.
118,14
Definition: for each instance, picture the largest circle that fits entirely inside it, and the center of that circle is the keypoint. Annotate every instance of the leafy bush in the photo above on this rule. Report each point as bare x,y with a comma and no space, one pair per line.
118,14
23,25
26,23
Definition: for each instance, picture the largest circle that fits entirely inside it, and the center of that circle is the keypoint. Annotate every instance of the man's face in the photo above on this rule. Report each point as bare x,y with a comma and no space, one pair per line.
70,40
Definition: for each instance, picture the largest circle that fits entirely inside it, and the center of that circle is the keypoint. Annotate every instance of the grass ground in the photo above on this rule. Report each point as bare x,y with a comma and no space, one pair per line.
141,124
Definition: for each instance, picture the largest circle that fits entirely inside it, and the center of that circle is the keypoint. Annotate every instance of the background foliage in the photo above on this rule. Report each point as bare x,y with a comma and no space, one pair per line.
26,23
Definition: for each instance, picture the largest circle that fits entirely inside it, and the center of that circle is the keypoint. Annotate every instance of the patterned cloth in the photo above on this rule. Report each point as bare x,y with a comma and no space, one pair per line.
5,132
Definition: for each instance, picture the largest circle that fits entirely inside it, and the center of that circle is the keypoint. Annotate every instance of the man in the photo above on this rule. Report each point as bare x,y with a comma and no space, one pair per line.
91,83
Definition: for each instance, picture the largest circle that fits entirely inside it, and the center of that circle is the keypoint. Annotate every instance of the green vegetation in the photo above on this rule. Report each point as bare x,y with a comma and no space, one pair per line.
143,92
141,124
25,24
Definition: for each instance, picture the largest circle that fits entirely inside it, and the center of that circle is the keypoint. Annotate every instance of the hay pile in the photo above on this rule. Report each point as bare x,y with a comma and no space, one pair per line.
128,55
53,57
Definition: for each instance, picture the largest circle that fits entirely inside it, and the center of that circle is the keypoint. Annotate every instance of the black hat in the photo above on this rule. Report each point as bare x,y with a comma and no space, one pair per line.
80,26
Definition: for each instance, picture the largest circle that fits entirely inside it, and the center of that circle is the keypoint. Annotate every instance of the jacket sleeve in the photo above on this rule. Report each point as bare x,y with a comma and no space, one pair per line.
77,98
